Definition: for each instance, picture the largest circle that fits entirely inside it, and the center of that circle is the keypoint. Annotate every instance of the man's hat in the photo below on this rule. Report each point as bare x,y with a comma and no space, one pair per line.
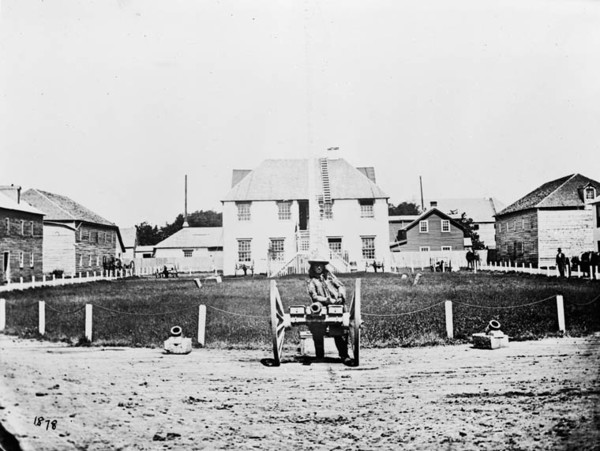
318,257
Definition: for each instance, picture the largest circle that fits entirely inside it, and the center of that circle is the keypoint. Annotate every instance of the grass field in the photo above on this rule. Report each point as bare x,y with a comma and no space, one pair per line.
141,312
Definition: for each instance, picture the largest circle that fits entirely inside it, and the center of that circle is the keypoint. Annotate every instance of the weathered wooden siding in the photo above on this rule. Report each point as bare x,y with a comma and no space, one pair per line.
435,238
59,249
571,230
93,243
517,237
20,242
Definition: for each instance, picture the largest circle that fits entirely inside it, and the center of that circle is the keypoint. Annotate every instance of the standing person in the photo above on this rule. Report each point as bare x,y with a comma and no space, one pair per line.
325,288
470,259
561,262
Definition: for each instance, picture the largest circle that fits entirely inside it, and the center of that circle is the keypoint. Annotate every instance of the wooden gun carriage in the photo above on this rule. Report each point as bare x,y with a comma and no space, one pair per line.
340,315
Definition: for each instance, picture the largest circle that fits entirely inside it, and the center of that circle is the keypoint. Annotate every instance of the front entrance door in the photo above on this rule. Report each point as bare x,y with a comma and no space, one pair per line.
303,214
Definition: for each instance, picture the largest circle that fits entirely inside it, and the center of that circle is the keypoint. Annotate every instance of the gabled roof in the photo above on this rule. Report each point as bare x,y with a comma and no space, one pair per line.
478,209
129,236
193,237
562,192
62,208
288,180
431,212
9,204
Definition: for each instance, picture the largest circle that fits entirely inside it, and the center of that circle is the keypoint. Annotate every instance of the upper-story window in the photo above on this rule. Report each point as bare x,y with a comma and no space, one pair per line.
445,225
22,227
243,211
366,208
7,221
31,228
590,193
327,211
21,259
284,210
424,226
31,260
188,252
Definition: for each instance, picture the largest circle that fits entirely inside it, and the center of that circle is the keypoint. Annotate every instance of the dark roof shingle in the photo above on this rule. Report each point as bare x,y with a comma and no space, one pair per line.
61,208
562,192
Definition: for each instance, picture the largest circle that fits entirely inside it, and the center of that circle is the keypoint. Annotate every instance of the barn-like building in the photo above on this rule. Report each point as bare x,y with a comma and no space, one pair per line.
76,240
558,214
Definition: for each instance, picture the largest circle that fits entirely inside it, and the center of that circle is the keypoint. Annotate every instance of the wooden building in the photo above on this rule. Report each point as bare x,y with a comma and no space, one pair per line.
197,248
557,214
75,238
274,215
431,231
21,238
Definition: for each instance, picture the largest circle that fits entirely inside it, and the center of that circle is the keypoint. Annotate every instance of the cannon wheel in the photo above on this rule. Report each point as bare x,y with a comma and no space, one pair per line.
355,322
277,325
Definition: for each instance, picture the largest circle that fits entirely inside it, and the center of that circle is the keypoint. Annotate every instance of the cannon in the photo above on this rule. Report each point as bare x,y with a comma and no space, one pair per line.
302,315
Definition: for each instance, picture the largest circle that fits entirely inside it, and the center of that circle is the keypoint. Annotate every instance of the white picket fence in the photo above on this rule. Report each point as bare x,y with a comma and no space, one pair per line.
82,277
549,271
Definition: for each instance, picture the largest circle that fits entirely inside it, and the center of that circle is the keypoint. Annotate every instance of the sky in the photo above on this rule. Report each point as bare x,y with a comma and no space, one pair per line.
113,102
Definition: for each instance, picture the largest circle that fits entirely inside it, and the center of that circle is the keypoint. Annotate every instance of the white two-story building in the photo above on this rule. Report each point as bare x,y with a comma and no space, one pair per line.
274,215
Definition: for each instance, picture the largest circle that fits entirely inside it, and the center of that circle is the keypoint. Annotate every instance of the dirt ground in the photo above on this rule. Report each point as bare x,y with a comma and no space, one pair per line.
532,395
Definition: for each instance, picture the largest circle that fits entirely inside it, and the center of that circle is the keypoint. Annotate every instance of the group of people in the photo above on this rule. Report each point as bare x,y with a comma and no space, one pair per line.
588,263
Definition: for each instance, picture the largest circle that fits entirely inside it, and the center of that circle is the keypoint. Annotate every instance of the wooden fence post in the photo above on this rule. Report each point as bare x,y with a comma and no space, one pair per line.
202,325
88,321
2,314
42,317
449,323
561,313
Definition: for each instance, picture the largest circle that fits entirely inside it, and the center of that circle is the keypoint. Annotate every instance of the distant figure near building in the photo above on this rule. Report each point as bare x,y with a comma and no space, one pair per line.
470,259
561,261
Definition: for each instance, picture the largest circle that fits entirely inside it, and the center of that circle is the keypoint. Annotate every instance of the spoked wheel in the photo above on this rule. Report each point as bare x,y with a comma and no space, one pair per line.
355,322
277,324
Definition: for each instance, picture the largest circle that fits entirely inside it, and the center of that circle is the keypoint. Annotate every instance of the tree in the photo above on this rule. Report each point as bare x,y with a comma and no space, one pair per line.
470,232
147,235
404,208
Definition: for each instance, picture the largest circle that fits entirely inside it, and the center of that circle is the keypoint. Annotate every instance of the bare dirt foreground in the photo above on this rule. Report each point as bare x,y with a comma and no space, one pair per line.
532,395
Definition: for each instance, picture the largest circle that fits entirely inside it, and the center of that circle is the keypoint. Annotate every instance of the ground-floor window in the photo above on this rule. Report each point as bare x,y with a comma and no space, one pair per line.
424,249
335,246
31,261
276,249
368,247
21,259
446,248
188,252
244,251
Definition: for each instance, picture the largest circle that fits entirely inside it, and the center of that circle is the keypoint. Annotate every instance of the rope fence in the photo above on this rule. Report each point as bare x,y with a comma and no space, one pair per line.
202,313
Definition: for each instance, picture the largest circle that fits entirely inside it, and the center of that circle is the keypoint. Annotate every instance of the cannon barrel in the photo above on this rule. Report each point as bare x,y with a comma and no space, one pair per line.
492,325
316,307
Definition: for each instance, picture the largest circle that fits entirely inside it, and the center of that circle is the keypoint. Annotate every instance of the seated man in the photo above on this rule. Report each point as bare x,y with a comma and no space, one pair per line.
325,288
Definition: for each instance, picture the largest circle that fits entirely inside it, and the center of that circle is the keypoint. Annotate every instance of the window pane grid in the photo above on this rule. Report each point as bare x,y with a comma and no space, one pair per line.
368,248
244,251
285,210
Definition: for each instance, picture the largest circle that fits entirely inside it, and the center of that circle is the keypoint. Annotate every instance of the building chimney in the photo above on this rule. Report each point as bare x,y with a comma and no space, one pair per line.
12,191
